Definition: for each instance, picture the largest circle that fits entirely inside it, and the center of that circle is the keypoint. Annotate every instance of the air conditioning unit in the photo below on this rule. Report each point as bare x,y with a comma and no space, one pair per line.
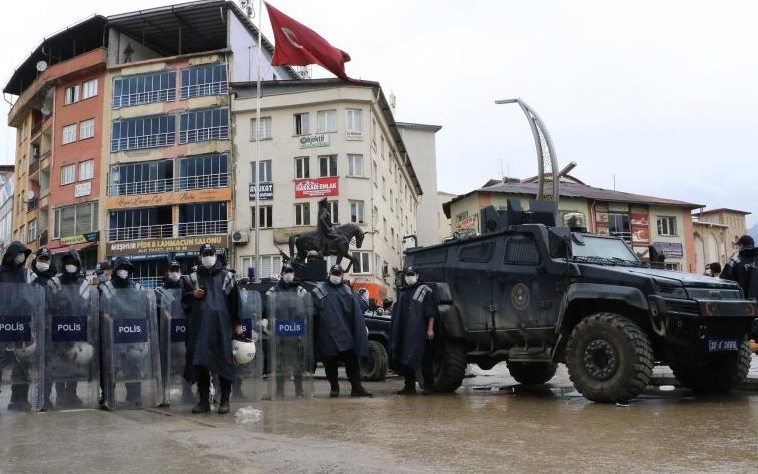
240,237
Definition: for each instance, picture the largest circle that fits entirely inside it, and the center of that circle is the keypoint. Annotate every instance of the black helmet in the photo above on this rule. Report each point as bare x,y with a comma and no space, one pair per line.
746,241
336,269
287,267
43,252
207,247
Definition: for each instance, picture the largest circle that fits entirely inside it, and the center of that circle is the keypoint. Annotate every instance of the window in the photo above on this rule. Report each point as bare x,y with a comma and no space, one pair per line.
198,81
302,124
144,89
89,89
356,212
270,265
666,225
374,174
202,219
143,132
68,174
618,225
141,178
392,200
204,125
264,169
32,231
87,129
327,165
361,262
384,188
71,95
303,214
354,165
302,168
74,220
86,170
334,209
143,223
327,121
68,134
266,216
203,172
264,131
353,124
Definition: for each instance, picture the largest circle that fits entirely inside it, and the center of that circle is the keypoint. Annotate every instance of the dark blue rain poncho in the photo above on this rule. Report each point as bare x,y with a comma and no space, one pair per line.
338,321
410,319
211,321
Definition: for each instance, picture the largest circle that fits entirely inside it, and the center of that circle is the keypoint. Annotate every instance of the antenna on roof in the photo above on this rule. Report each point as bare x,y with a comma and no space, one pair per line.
247,6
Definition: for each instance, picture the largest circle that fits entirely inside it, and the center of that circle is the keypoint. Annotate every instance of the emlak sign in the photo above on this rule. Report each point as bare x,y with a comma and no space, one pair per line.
316,187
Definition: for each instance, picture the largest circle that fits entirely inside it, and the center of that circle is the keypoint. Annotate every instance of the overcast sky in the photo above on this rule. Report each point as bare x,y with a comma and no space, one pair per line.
649,97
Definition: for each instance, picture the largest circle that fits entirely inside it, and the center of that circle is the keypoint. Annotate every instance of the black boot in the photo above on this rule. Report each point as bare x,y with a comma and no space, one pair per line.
134,394
335,388
226,391
204,392
299,393
19,398
279,392
72,400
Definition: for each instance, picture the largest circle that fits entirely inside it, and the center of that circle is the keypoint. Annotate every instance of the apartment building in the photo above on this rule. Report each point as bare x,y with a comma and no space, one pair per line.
123,143
6,205
319,139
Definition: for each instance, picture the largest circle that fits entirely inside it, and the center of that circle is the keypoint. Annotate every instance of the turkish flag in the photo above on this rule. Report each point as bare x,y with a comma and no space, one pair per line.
298,45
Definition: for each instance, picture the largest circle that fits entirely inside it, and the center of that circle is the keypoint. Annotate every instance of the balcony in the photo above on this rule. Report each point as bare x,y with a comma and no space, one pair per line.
165,231
206,181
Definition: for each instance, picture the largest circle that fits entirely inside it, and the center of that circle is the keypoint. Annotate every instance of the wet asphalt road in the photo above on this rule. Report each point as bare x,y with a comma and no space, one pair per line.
490,424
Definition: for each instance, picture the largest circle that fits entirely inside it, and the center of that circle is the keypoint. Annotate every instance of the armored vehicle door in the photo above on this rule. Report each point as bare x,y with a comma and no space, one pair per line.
525,292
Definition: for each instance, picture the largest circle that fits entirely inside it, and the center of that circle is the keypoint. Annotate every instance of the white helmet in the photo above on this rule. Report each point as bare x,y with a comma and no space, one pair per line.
26,351
80,353
137,350
243,351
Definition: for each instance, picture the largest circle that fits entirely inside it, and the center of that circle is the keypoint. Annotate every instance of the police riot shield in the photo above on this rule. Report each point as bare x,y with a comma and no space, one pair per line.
72,358
291,343
22,346
248,376
173,337
129,338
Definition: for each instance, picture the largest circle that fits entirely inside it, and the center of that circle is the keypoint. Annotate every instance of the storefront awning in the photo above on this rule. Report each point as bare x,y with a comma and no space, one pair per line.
79,246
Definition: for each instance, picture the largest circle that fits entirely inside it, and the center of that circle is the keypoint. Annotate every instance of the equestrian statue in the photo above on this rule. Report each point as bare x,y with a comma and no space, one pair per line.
325,239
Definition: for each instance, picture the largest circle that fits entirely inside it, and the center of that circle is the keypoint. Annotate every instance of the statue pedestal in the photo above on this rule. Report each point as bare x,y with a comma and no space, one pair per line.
313,271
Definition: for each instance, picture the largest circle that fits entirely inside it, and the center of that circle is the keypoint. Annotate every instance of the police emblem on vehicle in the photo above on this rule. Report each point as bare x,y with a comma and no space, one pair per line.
520,296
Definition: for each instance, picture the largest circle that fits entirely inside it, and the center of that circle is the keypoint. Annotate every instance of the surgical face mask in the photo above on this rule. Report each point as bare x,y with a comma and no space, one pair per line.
288,277
174,276
71,268
123,274
411,280
20,258
208,261
42,266
335,279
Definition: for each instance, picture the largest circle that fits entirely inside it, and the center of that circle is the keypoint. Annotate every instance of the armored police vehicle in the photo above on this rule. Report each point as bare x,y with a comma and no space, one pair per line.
534,294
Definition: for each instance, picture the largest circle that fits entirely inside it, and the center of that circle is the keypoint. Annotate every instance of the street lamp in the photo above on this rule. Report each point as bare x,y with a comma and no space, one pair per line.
546,159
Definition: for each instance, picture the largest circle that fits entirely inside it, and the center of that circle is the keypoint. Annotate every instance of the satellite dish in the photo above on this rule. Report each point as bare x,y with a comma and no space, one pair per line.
29,195
41,66
45,111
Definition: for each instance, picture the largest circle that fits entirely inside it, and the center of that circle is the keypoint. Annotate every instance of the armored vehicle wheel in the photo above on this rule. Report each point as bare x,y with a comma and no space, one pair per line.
449,366
532,373
705,372
375,368
609,358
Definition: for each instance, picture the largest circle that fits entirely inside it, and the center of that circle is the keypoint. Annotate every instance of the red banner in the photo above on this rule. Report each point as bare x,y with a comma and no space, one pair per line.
316,187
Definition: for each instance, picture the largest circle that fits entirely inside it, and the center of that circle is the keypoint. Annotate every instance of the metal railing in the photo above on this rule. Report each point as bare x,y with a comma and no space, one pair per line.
143,141
206,181
140,98
165,231
204,134
199,90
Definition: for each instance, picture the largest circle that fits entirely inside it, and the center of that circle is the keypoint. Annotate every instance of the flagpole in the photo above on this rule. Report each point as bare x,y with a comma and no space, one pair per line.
258,150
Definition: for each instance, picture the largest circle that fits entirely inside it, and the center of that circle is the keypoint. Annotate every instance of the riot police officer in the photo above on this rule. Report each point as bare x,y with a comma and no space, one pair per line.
13,270
211,324
340,331
43,267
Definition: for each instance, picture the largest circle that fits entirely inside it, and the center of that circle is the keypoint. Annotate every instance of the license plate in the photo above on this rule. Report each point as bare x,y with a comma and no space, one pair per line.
719,345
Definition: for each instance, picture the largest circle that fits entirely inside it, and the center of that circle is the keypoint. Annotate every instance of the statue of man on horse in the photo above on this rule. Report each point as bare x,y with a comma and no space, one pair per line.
325,239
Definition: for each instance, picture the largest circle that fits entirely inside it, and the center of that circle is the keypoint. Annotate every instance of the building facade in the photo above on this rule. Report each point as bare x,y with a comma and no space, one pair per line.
715,234
6,206
642,221
314,140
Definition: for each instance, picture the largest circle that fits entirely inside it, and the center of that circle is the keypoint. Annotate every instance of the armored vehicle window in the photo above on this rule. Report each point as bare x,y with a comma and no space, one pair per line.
480,252
434,256
521,250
